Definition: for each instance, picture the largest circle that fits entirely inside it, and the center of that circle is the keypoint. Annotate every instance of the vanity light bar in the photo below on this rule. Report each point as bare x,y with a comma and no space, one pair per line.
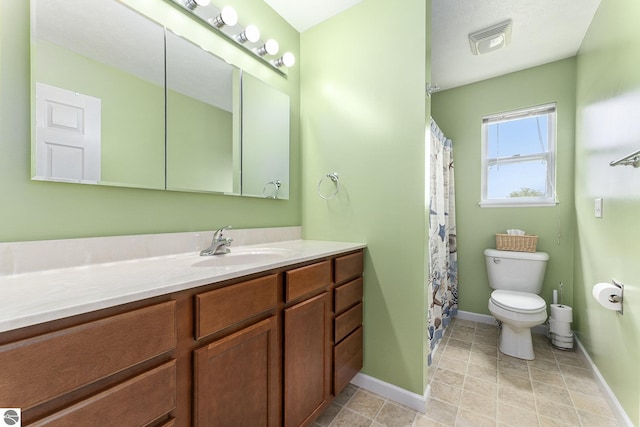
225,22
192,4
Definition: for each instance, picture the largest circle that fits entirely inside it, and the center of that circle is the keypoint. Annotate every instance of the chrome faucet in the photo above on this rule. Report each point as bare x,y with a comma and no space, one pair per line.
219,245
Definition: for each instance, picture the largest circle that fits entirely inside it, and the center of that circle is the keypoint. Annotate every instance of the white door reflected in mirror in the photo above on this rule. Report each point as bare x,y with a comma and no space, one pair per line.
67,135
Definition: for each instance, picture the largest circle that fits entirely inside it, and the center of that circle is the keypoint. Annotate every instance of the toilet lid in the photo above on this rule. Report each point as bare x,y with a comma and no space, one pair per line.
523,302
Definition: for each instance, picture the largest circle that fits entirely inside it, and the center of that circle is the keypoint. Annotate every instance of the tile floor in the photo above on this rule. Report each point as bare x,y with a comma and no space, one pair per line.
473,384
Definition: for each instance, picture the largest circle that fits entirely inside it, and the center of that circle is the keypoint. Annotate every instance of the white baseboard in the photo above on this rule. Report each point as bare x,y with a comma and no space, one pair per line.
475,317
619,411
490,320
392,392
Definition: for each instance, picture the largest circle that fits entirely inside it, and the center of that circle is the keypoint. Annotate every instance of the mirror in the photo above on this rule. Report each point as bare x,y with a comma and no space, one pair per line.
98,77
203,142
265,140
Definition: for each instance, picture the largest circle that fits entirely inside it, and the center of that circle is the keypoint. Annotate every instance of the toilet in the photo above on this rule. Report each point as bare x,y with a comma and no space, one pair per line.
517,278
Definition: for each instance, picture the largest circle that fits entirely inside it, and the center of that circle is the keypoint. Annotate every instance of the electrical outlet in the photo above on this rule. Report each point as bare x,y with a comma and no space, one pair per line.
598,208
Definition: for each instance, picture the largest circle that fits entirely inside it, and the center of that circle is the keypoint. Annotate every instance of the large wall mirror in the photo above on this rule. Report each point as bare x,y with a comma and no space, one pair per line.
98,79
203,141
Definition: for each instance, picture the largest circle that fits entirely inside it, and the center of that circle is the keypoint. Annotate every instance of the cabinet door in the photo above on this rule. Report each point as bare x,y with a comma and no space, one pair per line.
307,359
236,379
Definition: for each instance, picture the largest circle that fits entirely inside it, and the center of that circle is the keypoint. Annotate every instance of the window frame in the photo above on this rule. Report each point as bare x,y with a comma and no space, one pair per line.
550,199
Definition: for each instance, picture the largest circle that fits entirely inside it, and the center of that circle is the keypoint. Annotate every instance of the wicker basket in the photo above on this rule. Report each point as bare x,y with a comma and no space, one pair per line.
509,242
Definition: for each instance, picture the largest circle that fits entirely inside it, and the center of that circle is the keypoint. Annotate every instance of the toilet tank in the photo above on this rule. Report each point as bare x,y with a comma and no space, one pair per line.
516,271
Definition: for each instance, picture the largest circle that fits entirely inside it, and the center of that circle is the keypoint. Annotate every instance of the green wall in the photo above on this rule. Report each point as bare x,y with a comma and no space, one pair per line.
44,210
459,112
363,116
607,128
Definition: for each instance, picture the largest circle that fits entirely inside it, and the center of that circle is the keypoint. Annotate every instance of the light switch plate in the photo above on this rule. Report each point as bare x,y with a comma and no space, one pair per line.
598,208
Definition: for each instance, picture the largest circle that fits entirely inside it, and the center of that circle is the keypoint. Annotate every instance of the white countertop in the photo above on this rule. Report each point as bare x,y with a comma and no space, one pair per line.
35,297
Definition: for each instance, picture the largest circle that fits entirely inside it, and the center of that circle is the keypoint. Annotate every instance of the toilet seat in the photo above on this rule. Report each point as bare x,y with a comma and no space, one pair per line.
519,302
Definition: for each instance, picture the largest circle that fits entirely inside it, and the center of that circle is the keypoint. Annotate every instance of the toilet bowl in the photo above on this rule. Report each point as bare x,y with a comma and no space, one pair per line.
517,278
517,312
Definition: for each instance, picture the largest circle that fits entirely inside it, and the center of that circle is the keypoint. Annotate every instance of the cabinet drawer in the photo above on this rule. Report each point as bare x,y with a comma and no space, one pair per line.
137,401
305,280
218,309
51,365
347,295
349,267
348,360
347,322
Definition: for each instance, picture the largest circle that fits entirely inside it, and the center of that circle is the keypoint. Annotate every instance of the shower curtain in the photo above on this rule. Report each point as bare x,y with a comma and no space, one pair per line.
443,259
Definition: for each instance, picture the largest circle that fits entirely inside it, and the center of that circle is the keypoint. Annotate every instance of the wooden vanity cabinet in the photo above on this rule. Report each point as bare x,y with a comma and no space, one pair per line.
268,350
307,343
237,376
113,370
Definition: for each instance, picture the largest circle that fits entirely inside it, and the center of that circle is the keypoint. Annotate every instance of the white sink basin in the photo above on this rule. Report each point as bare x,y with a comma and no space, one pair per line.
244,257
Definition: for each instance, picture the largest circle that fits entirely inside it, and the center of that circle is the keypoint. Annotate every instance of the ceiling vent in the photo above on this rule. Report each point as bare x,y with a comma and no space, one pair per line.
490,39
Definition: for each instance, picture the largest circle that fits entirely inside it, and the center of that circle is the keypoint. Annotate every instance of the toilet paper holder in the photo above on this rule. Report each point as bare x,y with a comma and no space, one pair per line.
615,298
618,298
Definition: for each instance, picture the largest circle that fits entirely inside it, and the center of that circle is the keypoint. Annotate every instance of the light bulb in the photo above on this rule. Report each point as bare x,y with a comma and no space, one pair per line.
250,34
271,47
287,60
192,4
228,16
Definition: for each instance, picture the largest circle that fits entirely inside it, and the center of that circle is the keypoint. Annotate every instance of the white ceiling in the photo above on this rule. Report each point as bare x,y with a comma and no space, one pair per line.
543,31
304,14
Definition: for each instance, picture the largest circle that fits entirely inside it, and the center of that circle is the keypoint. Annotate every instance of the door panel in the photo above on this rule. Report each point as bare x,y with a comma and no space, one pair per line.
67,135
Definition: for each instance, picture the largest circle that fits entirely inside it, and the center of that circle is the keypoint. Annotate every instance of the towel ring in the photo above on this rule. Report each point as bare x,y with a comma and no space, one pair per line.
276,189
333,176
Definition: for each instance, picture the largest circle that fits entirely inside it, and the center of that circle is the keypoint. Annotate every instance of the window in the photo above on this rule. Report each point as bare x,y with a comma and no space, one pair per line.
518,157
